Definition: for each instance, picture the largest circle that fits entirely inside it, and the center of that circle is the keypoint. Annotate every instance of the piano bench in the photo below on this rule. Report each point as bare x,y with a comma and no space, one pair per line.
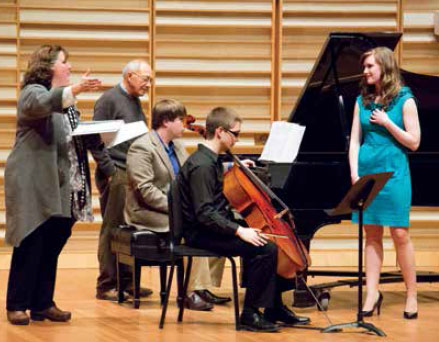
137,248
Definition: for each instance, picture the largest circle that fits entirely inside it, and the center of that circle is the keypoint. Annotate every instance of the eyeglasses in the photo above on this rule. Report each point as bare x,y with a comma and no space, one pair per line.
146,79
234,133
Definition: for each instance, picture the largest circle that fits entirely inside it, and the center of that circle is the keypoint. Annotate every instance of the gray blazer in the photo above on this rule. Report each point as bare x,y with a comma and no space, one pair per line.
149,173
37,182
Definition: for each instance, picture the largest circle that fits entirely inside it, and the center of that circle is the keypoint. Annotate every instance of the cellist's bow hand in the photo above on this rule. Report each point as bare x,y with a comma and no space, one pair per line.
248,162
251,236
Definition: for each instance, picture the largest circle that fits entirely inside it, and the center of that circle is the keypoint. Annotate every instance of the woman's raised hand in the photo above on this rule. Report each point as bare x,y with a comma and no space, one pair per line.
86,84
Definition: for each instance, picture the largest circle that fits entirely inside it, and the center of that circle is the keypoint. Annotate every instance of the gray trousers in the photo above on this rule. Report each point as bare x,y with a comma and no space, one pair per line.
206,273
112,201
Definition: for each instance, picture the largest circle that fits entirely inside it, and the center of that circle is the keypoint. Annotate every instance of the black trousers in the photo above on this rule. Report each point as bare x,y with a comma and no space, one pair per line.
32,274
264,286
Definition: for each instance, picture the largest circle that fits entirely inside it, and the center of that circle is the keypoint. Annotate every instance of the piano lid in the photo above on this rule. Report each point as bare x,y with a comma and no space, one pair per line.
326,102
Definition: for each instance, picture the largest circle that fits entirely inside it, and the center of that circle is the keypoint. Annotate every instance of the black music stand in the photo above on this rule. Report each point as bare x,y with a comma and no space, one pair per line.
358,198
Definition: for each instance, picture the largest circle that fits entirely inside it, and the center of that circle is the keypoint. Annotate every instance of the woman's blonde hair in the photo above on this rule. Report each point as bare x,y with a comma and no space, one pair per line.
391,81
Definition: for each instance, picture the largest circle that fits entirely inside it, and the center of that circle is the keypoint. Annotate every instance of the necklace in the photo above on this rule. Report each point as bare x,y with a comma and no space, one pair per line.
79,149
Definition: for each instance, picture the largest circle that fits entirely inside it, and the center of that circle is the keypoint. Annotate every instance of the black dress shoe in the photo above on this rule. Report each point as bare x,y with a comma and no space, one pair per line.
253,320
143,292
410,315
18,317
285,316
53,314
194,302
212,298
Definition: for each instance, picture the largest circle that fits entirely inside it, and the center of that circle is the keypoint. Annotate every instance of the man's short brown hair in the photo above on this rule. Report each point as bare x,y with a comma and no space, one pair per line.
220,117
167,110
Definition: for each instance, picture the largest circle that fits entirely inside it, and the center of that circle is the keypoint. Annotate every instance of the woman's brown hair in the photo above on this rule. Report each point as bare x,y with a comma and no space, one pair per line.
391,81
39,67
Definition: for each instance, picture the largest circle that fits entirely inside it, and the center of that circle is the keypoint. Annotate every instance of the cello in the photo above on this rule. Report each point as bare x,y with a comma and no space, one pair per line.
257,204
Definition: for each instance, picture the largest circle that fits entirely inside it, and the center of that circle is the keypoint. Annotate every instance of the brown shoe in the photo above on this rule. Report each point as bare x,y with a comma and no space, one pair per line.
53,314
18,317
111,295
194,302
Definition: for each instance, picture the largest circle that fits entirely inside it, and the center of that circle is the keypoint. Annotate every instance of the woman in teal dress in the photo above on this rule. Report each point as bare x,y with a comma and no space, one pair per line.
385,126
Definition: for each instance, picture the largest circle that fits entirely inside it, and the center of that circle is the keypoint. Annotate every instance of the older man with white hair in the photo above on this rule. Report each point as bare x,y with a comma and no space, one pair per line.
118,103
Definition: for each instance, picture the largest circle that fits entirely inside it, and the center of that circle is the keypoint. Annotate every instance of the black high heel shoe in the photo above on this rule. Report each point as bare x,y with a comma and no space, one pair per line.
376,306
410,315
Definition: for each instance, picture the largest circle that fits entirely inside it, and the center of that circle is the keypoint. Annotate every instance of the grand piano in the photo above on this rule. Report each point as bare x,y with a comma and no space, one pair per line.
320,176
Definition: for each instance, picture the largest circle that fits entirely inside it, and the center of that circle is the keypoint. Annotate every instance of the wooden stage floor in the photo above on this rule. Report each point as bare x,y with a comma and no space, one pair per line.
95,320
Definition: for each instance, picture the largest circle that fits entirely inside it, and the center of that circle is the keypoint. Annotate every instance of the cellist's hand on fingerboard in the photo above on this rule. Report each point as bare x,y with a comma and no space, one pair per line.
248,163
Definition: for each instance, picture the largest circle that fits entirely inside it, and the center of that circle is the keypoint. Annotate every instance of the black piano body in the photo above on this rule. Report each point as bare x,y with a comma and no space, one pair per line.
320,176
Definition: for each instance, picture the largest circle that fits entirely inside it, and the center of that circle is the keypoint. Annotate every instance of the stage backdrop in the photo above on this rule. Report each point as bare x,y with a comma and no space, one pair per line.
252,55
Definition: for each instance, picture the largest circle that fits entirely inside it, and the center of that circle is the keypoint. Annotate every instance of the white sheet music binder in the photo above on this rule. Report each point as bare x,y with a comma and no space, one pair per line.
113,132
283,143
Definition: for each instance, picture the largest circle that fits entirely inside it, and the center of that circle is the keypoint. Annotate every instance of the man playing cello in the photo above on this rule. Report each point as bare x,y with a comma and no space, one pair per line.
208,223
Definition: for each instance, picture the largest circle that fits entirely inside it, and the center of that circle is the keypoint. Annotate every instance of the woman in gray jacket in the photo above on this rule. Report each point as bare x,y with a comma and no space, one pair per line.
47,183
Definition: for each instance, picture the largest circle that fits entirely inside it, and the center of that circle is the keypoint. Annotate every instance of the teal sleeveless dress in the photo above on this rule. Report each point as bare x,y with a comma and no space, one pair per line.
380,152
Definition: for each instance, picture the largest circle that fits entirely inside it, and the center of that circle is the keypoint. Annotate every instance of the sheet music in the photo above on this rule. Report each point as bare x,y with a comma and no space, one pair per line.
283,143
93,127
126,132
113,132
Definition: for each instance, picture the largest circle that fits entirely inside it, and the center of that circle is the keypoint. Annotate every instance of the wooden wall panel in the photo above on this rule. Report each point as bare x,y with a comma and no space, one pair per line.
100,35
306,25
216,53
420,46
8,66
252,55
103,4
